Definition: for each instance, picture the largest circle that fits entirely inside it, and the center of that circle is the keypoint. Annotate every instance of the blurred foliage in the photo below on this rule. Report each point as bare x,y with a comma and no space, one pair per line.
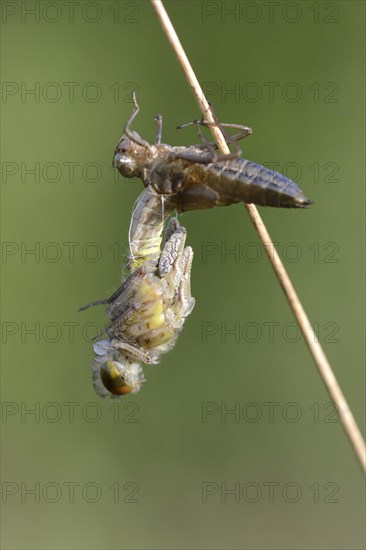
295,74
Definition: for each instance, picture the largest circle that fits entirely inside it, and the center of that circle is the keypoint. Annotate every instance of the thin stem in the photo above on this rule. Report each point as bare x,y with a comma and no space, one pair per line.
320,359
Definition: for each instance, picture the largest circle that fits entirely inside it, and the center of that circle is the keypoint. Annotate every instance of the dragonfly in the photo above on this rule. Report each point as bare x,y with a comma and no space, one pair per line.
148,310
196,177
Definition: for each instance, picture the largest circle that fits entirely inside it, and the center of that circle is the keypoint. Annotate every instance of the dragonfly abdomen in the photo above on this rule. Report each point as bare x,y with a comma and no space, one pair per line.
247,181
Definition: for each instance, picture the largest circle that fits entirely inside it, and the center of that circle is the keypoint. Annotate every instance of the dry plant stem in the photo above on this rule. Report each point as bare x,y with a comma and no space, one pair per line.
320,359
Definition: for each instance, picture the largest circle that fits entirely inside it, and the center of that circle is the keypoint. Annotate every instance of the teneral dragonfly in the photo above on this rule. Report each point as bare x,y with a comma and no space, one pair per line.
195,177
148,310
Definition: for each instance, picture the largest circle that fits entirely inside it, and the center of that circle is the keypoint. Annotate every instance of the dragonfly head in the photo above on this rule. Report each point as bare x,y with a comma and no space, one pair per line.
113,374
117,379
129,157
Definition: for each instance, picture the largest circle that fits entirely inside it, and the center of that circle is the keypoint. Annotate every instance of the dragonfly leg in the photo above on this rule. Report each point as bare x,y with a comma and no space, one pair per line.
133,136
136,354
138,273
92,304
205,144
204,159
126,314
244,130
230,140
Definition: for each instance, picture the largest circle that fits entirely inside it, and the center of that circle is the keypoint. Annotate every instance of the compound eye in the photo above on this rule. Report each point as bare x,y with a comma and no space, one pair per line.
113,380
126,165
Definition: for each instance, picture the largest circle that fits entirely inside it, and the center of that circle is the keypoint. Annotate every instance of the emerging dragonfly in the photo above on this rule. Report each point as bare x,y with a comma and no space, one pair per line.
195,177
148,311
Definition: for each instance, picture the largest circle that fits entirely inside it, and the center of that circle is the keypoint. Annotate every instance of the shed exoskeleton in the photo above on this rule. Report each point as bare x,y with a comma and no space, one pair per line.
196,177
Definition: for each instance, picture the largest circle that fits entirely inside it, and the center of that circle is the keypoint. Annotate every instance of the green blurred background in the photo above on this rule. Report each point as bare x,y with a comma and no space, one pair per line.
155,471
